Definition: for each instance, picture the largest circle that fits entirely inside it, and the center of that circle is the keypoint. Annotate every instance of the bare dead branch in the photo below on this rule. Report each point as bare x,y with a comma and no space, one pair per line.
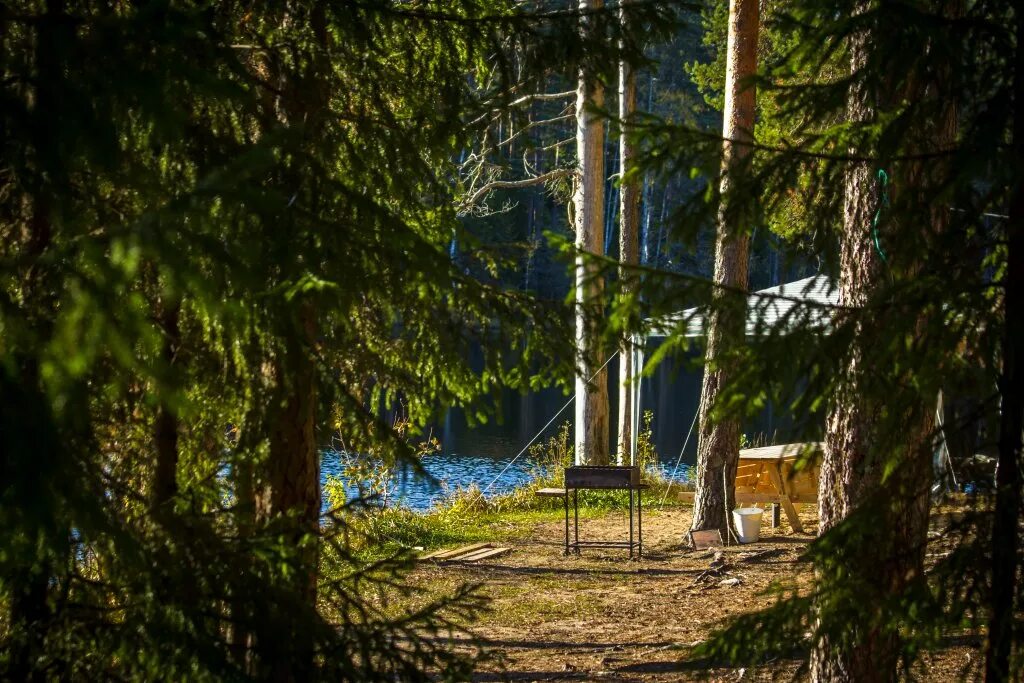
525,99
514,184
530,126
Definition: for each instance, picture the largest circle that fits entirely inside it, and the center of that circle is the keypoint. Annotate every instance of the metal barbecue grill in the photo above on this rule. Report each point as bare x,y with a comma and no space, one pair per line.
604,477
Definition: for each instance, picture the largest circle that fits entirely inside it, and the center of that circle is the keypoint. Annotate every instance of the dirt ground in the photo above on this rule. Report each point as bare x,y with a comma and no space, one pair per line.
600,616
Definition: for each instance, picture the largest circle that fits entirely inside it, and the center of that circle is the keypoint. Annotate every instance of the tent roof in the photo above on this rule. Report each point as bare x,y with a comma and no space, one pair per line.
806,302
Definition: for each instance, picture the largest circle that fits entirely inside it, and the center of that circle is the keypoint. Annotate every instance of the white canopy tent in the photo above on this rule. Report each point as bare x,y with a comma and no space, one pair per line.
811,299
807,302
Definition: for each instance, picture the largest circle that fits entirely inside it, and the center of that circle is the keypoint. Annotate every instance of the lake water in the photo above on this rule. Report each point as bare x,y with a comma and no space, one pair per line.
482,454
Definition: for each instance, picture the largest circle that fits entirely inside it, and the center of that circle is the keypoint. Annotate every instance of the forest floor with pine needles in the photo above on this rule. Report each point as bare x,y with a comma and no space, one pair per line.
600,616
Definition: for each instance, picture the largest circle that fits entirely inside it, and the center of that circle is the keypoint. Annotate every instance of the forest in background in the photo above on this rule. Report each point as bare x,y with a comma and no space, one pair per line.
680,81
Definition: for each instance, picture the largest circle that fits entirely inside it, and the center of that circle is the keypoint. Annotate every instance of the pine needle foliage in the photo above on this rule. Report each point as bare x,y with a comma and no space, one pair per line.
195,194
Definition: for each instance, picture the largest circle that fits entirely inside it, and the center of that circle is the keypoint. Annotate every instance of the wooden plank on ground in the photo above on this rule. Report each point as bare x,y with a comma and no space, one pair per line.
446,554
484,554
550,493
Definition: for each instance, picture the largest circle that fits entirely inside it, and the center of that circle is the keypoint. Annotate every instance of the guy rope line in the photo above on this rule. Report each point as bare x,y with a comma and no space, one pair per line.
542,430
680,458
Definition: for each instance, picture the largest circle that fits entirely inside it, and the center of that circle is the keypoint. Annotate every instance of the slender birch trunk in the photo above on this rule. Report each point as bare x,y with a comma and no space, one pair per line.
718,448
629,225
591,403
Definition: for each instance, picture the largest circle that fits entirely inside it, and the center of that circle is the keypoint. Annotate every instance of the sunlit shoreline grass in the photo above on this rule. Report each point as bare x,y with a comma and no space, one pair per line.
467,515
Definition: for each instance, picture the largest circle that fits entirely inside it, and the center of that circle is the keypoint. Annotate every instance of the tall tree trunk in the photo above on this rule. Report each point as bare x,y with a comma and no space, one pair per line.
29,609
290,486
165,430
611,197
1005,540
240,637
854,474
666,201
591,383
718,448
287,488
288,493
531,224
629,224
647,193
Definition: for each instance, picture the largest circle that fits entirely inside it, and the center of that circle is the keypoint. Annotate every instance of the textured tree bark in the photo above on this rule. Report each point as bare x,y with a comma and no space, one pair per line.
286,489
591,409
165,429
892,551
287,494
290,485
1005,540
30,612
629,226
718,448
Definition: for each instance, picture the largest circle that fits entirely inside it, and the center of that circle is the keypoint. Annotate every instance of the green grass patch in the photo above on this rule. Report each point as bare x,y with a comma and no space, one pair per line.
379,533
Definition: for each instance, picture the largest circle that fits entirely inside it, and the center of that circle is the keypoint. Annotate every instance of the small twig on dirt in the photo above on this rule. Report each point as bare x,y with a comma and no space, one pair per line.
670,646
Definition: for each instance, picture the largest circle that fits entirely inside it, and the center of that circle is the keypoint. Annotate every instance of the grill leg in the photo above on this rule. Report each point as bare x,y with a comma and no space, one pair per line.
640,523
576,518
566,500
631,523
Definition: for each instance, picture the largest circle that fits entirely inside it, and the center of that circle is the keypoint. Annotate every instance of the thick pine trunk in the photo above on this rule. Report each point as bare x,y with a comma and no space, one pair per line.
591,417
856,455
288,495
1005,532
31,586
629,226
718,448
290,483
286,489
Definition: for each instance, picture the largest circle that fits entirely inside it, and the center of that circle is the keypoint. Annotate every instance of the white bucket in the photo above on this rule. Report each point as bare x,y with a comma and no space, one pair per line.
748,523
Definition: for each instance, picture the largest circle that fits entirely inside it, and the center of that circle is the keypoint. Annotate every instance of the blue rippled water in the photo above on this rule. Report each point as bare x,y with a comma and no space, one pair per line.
453,471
